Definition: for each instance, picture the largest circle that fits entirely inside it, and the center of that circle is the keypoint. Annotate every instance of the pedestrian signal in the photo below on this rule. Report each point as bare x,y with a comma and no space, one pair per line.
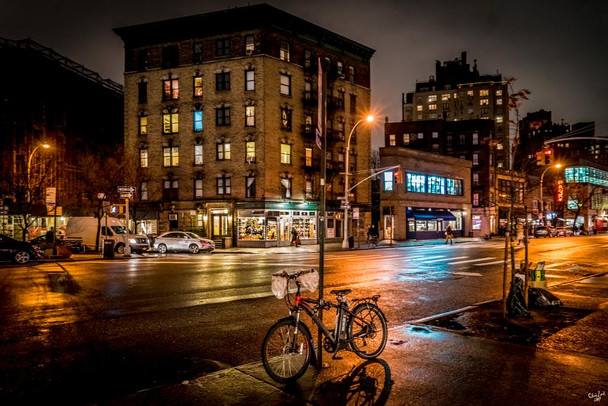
548,157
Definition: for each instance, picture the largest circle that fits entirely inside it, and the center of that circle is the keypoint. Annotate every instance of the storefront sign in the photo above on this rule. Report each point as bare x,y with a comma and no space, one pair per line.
560,190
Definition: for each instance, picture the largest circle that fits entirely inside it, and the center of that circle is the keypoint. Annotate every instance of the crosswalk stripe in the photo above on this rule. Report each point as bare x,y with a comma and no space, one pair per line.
490,263
555,265
470,260
442,259
466,273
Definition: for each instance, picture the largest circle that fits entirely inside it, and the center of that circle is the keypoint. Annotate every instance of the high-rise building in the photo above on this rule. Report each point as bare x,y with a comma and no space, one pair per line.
220,116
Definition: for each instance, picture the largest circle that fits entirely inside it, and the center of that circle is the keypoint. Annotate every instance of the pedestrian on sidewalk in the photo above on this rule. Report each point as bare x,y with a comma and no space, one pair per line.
295,237
449,235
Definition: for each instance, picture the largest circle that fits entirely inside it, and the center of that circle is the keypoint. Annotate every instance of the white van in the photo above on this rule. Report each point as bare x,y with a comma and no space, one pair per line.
85,229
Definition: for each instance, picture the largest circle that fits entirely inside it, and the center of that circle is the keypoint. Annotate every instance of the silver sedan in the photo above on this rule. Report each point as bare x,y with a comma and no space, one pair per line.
182,241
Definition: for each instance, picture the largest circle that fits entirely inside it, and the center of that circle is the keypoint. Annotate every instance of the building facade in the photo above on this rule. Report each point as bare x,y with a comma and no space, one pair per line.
221,110
50,99
424,195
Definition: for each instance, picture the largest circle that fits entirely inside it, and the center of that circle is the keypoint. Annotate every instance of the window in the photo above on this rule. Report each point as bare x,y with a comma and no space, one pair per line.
284,53
308,124
340,156
143,125
391,140
142,92
249,186
419,107
416,182
454,187
406,139
484,92
353,104
435,134
308,156
224,185
198,155
250,151
143,157
198,120
285,85
222,81
462,139
484,102
340,129
351,74
249,44
249,80
499,102
432,98
307,58
170,123
222,116
170,189
308,188
475,159
249,116
197,52
475,199
223,151
285,119
170,56
340,68
198,86
198,188
388,177
470,93
286,188
170,89
445,97
499,119
286,154
476,179
435,185
432,107
475,139
170,156
499,92
420,136
143,191
222,47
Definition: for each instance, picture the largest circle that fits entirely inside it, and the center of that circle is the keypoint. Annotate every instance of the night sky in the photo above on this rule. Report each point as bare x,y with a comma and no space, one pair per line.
556,49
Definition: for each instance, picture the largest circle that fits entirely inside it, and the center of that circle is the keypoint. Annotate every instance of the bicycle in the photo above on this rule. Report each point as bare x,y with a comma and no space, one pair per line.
288,347
373,241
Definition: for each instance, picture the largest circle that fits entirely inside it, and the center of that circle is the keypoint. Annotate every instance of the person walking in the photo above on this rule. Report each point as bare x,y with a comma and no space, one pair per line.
295,238
449,235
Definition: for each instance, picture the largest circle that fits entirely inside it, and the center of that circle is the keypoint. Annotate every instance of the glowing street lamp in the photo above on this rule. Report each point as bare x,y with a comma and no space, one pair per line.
542,203
369,119
29,166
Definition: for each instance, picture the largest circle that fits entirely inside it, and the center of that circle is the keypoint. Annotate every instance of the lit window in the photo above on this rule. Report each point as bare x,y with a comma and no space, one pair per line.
484,102
249,44
249,116
475,159
285,119
170,123
435,185
445,97
388,180
476,179
250,151
432,98
340,68
475,199
308,155
170,89
432,107
143,158
419,107
499,92
143,125
475,138
286,188
198,120
198,86
470,93
285,85
416,182
499,102
249,79
499,119
351,74
198,155
484,92
435,134
143,191
170,156
249,186
420,136
223,151
391,140
286,154
284,53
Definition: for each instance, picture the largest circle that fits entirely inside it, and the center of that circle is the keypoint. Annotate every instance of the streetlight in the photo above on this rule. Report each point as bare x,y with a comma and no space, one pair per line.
29,162
542,203
369,119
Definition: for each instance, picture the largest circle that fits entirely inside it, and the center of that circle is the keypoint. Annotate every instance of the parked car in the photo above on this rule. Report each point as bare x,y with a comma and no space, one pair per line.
18,251
544,231
564,232
182,241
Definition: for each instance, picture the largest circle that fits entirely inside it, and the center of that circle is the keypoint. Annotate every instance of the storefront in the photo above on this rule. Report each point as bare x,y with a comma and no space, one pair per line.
272,224
431,224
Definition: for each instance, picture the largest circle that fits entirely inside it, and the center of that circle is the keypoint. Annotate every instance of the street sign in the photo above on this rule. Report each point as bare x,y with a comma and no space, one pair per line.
126,189
51,196
345,206
355,213
126,195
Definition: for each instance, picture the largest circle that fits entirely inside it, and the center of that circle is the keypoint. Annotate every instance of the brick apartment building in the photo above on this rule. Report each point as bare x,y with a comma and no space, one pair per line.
220,114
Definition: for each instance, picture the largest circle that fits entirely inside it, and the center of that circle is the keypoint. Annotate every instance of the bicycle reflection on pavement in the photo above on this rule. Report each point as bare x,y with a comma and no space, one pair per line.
368,383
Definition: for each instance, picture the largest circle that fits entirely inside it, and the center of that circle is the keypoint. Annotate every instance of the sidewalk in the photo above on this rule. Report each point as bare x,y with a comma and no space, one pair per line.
421,366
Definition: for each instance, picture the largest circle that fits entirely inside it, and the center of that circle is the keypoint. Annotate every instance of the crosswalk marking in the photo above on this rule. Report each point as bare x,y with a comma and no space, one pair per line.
555,265
490,263
441,258
466,273
470,260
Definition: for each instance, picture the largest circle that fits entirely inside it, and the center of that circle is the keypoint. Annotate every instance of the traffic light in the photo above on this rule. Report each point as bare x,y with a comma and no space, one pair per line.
548,157
540,158
398,177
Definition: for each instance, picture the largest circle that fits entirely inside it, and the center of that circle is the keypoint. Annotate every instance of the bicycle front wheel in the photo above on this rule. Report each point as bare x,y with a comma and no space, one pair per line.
285,354
367,331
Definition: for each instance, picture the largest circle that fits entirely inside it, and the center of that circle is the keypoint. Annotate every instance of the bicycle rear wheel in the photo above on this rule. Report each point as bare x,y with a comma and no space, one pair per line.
367,331
286,355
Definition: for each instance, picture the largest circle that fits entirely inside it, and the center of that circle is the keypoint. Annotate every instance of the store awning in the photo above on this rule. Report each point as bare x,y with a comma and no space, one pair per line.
431,215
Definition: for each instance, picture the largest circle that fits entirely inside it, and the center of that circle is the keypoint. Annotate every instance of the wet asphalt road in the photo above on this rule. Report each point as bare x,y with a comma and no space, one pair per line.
129,325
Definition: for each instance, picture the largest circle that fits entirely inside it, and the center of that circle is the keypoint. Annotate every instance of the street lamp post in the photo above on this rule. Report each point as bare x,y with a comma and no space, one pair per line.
29,165
542,203
369,119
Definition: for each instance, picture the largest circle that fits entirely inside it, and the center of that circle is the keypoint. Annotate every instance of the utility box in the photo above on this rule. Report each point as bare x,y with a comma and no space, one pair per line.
108,249
537,276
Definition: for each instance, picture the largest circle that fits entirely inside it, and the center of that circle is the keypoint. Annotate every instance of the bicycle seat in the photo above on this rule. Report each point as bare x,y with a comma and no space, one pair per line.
341,292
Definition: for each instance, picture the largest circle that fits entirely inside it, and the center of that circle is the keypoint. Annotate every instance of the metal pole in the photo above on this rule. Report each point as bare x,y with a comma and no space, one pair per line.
542,203
322,210
127,245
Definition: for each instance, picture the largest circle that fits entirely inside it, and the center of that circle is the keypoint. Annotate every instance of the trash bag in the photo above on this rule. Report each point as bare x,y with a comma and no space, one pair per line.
516,305
538,297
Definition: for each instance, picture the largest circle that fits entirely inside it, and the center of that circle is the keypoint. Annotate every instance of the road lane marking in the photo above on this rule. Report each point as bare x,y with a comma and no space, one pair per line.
465,273
555,265
491,263
549,275
442,259
470,260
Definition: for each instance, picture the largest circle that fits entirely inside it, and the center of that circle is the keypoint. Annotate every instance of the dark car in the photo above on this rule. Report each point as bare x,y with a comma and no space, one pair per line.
17,251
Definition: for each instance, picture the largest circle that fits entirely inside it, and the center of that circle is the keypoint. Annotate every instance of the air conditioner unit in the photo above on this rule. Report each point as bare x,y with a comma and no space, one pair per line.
250,159
248,52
